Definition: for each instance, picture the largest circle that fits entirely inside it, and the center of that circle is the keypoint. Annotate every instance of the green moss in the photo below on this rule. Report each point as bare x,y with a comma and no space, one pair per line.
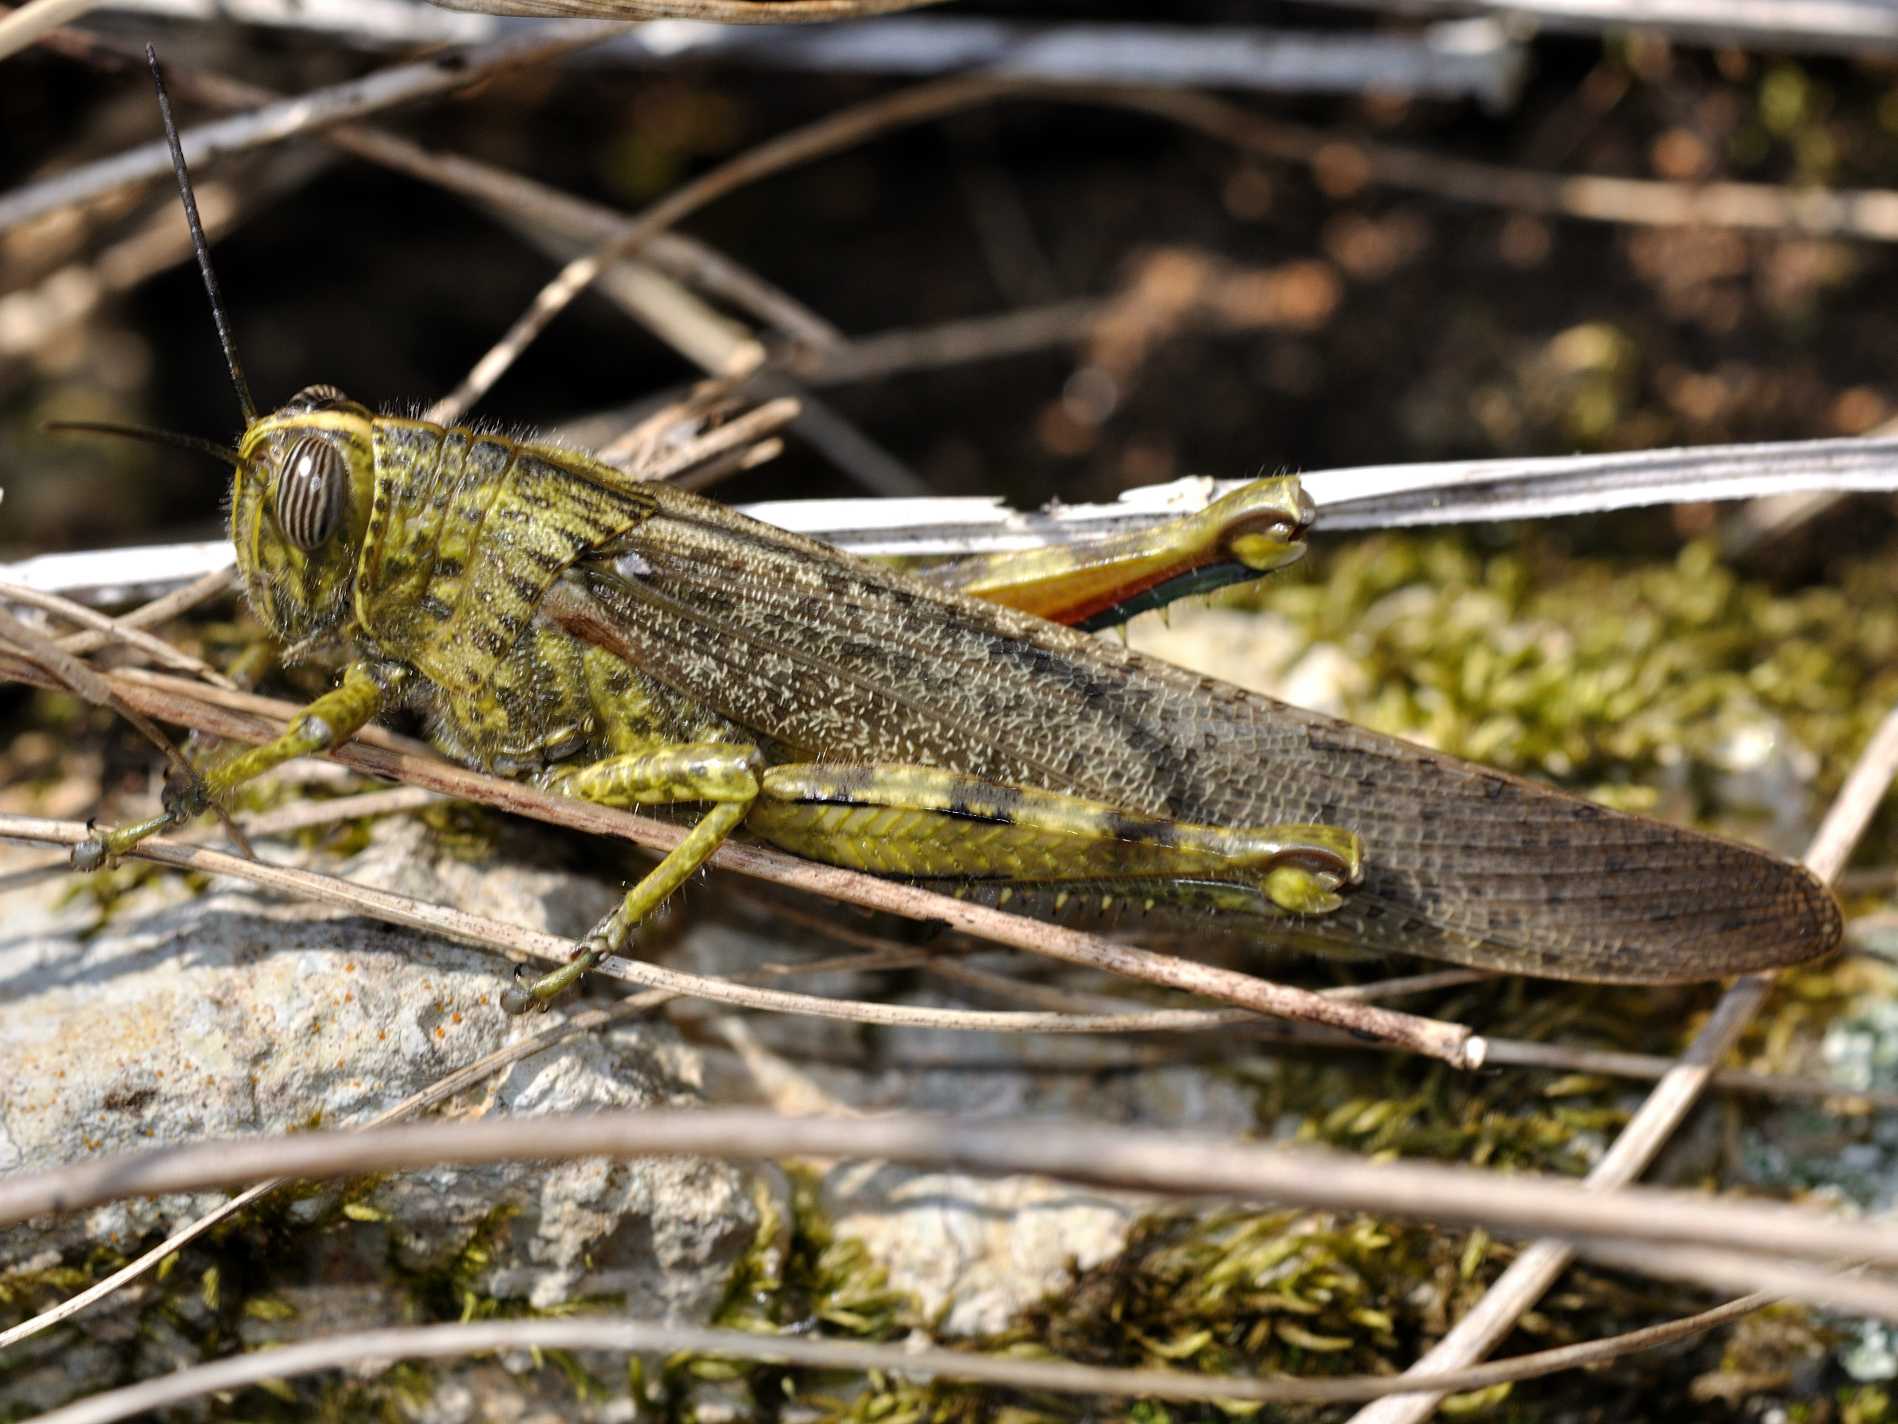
801,1278
1602,674
800,1275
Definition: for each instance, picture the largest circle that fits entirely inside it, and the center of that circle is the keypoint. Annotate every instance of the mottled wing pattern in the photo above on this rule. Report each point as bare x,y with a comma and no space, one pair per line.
830,659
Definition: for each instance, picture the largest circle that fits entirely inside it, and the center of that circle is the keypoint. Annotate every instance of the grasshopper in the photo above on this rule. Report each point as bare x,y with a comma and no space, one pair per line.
634,644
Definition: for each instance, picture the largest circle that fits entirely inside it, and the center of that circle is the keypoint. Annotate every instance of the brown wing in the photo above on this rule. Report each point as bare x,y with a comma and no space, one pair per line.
832,659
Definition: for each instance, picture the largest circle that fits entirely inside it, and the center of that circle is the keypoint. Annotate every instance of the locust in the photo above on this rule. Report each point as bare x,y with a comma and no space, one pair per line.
548,616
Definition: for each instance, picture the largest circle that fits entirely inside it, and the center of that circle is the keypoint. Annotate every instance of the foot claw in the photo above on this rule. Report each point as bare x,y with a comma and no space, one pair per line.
544,990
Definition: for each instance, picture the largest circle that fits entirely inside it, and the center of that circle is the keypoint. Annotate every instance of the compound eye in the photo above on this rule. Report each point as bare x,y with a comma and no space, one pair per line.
317,397
310,492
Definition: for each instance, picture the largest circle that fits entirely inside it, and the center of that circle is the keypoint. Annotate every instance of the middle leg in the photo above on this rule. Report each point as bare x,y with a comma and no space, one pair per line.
720,773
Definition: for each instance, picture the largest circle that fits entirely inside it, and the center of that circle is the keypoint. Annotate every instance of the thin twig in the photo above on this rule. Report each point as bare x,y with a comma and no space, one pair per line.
902,1361
1459,60
1854,28
827,135
112,630
1639,201
642,444
308,815
951,343
398,84
730,463
65,672
250,718
1652,1067
1865,213
30,21
33,316
728,439
518,943
1531,1274
586,1021
717,12
1183,1165
1499,1052
160,610
552,210
653,297
1829,1288
303,815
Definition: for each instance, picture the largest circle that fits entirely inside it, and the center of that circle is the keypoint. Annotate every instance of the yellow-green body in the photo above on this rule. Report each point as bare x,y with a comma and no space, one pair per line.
631,643
548,615
515,596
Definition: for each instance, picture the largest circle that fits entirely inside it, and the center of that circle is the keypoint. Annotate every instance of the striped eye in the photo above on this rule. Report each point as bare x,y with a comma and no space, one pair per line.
310,492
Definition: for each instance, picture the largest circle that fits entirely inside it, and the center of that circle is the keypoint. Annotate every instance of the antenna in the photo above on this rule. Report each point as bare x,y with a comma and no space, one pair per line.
198,244
223,454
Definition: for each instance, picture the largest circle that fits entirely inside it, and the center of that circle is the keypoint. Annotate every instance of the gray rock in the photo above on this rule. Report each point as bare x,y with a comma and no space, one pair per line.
199,1014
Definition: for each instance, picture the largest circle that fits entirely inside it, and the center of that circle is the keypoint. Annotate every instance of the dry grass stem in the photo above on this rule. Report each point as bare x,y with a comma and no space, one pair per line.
309,815
576,1025
112,630
1498,1052
946,963
65,297
63,670
551,210
160,610
30,21
1180,1165
250,718
1857,28
521,944
652,296
728,441
648,1337
398,84
828,135
960,342
1829,1287
1867,214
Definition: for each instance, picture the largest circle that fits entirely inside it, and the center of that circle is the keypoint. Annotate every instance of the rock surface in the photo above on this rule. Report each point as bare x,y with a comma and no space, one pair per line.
201,1014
